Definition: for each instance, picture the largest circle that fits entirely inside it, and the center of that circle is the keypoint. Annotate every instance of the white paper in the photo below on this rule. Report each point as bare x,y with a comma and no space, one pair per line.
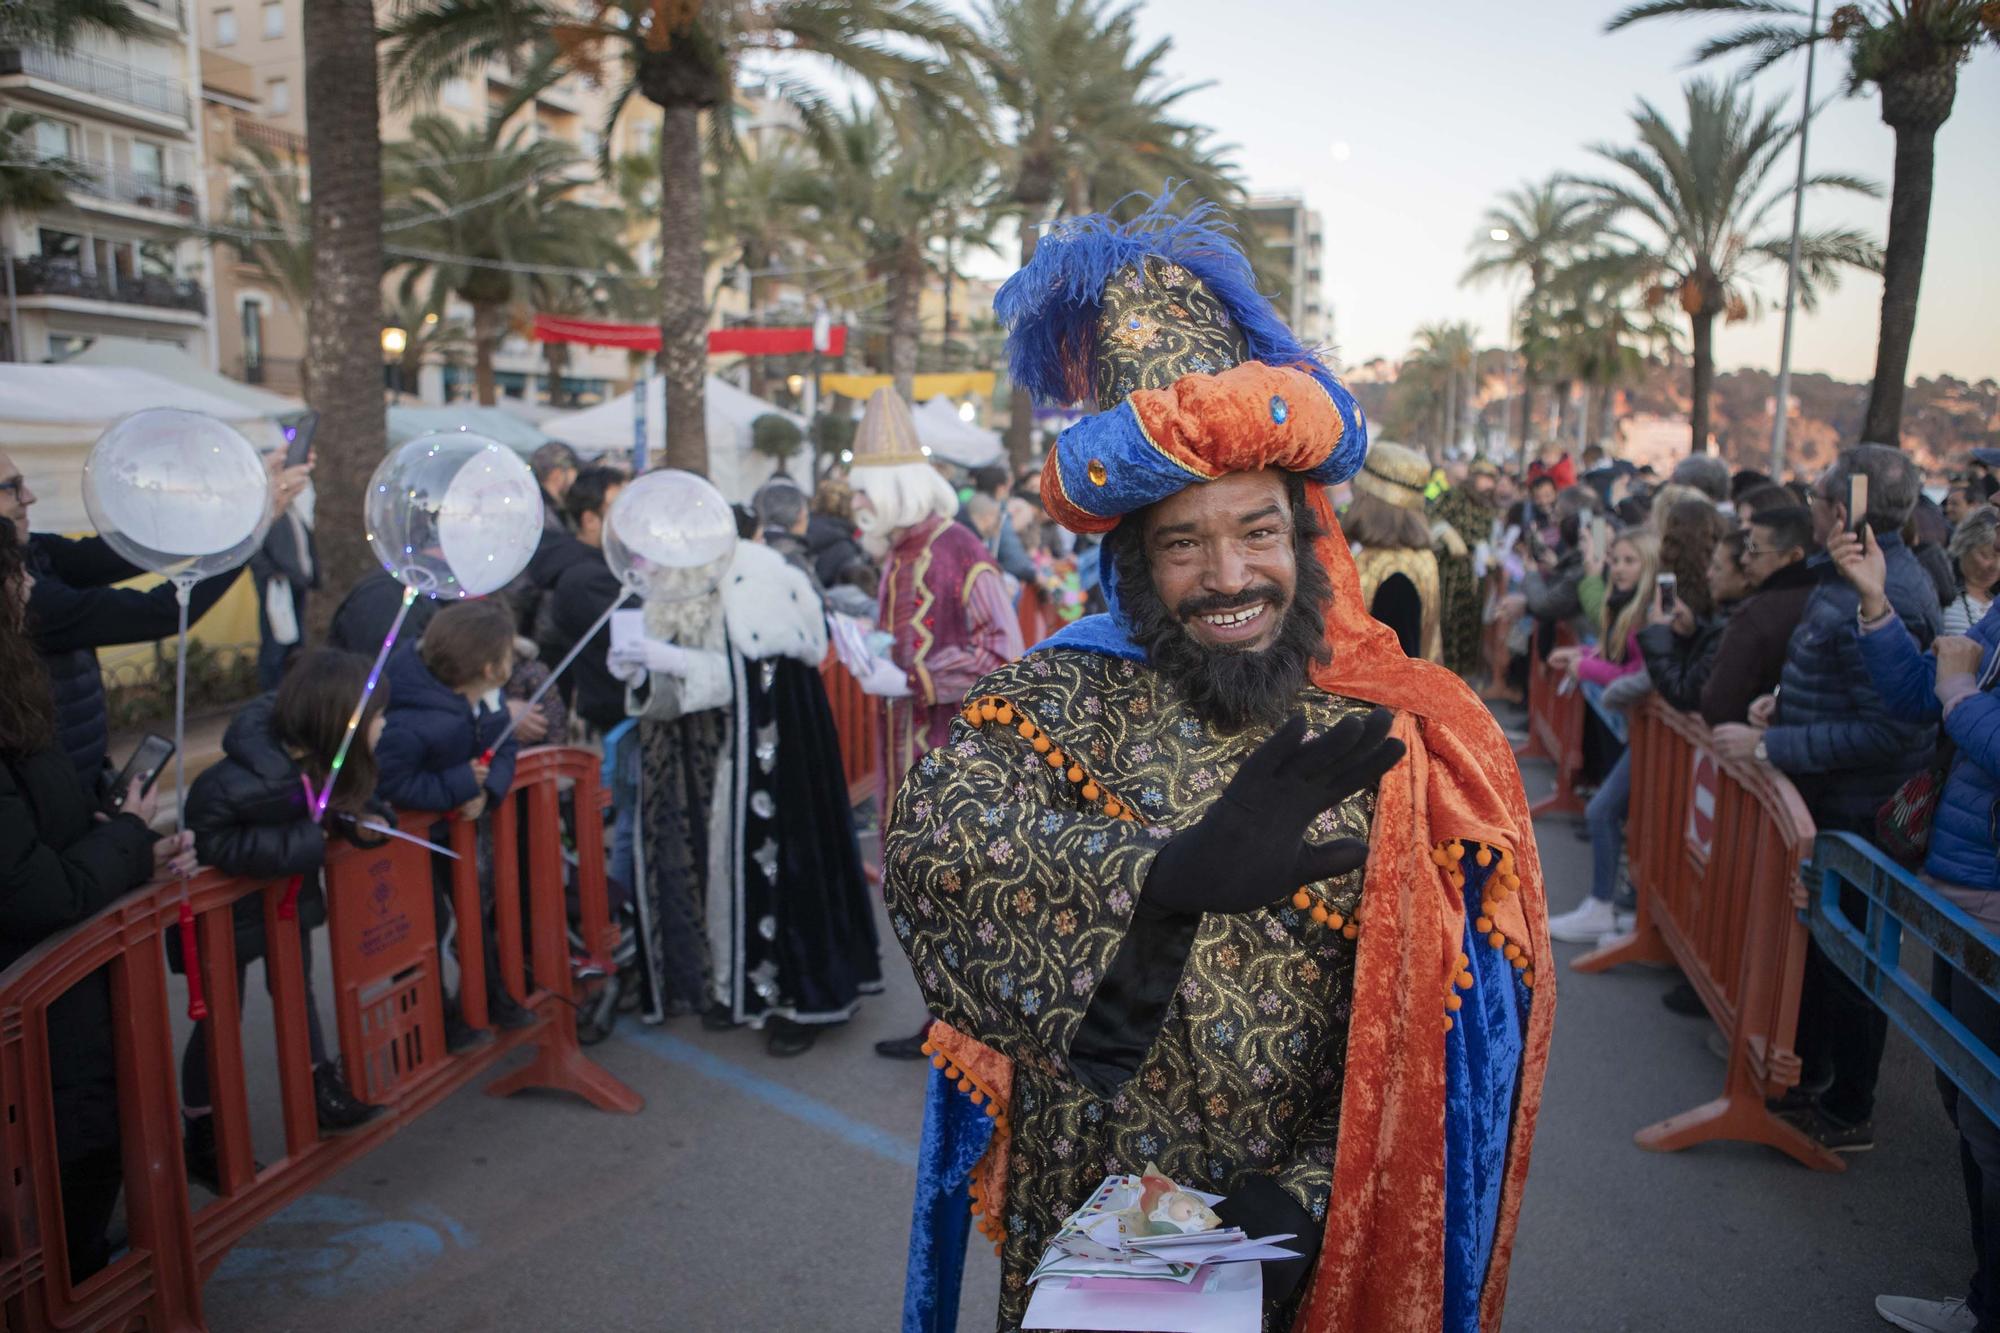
1228,1298
628,627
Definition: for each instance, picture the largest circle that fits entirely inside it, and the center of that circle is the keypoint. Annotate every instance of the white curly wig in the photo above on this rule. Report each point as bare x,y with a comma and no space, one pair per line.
898,497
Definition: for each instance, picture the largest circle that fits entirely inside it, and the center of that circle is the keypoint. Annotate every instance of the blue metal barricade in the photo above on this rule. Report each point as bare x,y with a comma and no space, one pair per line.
1870,953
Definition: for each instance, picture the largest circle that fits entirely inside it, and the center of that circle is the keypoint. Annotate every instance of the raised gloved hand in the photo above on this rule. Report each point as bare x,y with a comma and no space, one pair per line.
1250,849
631,661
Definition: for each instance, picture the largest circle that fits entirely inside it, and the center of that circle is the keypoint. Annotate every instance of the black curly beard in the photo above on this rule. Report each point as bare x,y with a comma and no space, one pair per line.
1229,688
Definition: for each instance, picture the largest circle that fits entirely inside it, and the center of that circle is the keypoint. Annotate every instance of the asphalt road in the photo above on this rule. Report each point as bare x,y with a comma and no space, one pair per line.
754,1193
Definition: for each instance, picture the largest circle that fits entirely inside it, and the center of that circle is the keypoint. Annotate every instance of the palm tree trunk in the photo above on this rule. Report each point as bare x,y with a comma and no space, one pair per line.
1703,379
1565,407
1607,417
1914,106
906,286
489,323
683,303
557,356
343,338
1527,413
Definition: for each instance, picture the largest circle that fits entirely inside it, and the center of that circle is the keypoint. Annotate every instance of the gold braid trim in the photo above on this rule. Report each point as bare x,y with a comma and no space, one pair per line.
995,709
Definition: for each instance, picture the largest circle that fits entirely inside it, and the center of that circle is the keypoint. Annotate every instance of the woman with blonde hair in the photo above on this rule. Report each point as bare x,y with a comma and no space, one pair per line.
1633,591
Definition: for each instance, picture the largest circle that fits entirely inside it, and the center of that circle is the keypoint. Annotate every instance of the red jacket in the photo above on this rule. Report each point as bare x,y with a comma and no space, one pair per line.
1563,472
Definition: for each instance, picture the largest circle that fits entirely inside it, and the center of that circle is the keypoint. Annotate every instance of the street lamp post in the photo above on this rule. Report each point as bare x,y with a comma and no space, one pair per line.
394,341
1502,235
1782,409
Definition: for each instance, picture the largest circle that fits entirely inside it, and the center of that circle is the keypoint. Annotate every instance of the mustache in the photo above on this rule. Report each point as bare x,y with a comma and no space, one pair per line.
1190,607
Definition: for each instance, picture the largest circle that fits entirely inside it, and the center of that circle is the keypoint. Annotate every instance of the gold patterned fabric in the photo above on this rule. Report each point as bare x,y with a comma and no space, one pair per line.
1160,322
1380,564
1011,890
1460,600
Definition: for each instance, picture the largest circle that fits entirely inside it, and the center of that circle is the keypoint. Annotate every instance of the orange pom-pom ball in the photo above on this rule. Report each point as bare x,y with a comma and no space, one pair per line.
1334,921
1055,758
1027,729
1465,981
1464,959
1521,963
1447,1023
1484,858
1006,716
1528,978
1302,900
1319,913
1075,773
1484,923
1042,744
1452,1002
965,1085
1091,791
1513,951
1496,939
938,1061
1350,932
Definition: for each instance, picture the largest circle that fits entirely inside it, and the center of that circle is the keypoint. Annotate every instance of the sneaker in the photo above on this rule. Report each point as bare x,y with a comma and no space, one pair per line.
1831,1132
337,1107
1583,923
1917,1315
1684,1000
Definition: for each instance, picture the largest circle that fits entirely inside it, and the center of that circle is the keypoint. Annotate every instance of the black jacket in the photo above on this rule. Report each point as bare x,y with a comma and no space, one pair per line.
363,618
249,817
578,599
431,739
834,548
1680,668
59,866
1751,654
74,611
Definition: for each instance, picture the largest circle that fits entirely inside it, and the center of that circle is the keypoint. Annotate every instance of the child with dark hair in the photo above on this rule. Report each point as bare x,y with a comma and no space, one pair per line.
251,815
447,709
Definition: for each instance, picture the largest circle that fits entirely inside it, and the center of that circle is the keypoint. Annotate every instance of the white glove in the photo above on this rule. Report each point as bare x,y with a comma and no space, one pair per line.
886,680
630,662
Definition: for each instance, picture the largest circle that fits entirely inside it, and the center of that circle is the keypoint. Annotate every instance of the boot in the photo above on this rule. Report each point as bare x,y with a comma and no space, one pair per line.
337,1107
505,1014
783,1037
198,1150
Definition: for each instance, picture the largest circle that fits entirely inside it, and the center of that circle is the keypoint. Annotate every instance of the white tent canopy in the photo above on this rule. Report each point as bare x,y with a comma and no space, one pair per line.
172,363
736,469
954,439
51,415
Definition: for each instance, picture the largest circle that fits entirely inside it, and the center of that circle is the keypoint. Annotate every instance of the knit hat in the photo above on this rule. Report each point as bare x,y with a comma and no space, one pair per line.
1395,475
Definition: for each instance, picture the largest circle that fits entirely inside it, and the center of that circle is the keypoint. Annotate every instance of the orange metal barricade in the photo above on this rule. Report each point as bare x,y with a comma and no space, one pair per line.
857,717
1716,849
388,1016
1555,731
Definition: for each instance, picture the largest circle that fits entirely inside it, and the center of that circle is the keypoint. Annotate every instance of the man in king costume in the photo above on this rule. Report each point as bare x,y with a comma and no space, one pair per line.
1220,879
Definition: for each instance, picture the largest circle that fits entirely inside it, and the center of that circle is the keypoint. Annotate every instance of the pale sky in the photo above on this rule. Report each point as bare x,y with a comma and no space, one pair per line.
1402,121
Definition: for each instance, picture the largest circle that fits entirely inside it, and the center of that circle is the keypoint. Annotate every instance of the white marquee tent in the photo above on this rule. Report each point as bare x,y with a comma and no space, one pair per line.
954,439
736,469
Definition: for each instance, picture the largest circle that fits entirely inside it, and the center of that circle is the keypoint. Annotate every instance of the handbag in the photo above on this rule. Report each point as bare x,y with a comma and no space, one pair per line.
1903,824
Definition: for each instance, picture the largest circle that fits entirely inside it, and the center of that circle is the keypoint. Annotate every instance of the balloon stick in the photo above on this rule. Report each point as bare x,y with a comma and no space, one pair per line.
361,704
190,959
562,666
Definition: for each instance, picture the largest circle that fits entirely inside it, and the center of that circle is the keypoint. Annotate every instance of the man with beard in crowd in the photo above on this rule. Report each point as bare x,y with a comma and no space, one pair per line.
1133,883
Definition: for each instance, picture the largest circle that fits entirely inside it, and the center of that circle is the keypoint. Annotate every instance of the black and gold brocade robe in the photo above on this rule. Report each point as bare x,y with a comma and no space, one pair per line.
1012,891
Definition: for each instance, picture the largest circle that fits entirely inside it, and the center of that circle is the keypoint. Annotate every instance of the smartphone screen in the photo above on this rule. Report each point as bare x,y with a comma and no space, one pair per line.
299,449
1857,503
144,766
1669,589
1600,535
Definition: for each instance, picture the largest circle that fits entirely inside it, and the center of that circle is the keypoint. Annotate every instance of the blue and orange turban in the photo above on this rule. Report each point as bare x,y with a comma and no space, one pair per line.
1194,375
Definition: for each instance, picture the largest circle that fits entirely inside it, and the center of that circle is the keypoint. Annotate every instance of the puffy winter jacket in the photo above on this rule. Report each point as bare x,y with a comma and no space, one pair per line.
1596,669
431,739
1834,736
1680,667
1962,834
249,817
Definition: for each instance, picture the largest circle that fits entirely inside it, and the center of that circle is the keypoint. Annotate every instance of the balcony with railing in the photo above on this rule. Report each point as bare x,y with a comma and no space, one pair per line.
98,77
137,189
169,12
38,276
282,143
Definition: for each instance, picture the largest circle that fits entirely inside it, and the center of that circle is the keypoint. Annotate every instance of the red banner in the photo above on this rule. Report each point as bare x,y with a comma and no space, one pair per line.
646,337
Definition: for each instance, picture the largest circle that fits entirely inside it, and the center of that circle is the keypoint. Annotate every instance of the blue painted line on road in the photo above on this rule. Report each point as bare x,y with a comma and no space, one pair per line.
341,1246
791,1102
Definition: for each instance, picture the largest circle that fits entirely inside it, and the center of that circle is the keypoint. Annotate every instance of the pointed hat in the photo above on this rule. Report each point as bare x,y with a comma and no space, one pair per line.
887,435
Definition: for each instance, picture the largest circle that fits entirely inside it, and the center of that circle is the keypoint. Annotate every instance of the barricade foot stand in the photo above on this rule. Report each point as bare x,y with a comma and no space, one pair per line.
1643,945
561,1066
1739,1114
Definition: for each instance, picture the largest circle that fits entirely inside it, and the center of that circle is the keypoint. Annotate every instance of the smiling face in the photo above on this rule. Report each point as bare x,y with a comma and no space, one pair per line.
1222,559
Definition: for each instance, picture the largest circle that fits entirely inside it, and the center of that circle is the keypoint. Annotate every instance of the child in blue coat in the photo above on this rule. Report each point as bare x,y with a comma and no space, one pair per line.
446,710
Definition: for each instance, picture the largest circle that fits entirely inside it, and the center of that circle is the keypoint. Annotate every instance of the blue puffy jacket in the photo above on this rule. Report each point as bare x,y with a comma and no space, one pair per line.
1962,834
1834,736
431,738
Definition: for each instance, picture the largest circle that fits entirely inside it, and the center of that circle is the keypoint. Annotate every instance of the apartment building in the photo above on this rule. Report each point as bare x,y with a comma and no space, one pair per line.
119,257
253,73
1294,240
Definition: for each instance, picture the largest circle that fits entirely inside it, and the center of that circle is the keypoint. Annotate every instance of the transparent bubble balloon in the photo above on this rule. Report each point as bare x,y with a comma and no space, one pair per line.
669,533
177,492
454,514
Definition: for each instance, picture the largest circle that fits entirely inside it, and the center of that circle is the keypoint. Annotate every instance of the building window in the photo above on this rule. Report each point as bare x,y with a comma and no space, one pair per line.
63,346
225,27
253,341
53,138
62,246
278,97
149,161
274,21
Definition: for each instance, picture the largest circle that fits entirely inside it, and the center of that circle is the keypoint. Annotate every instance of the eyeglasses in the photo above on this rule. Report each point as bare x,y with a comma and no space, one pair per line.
14,485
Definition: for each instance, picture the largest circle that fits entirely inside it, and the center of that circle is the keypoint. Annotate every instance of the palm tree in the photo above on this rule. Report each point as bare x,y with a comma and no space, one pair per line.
1911,51
884,197
29,182
1091,118
683,56
1700,198
57,24
477,213
343,347
1449,354
1604,340
430,336
1531,231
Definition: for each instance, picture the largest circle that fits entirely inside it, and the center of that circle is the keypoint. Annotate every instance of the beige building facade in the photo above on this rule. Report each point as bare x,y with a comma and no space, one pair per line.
1295,240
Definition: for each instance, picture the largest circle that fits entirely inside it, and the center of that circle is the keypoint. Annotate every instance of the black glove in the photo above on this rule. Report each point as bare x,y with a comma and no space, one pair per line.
1250,849
1262,1208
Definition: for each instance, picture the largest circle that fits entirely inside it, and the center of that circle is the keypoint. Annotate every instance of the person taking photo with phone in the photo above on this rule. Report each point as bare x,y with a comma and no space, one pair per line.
61,861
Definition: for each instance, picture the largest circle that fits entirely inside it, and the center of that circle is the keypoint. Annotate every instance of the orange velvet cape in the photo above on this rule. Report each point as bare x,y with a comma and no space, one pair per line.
1381,1264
